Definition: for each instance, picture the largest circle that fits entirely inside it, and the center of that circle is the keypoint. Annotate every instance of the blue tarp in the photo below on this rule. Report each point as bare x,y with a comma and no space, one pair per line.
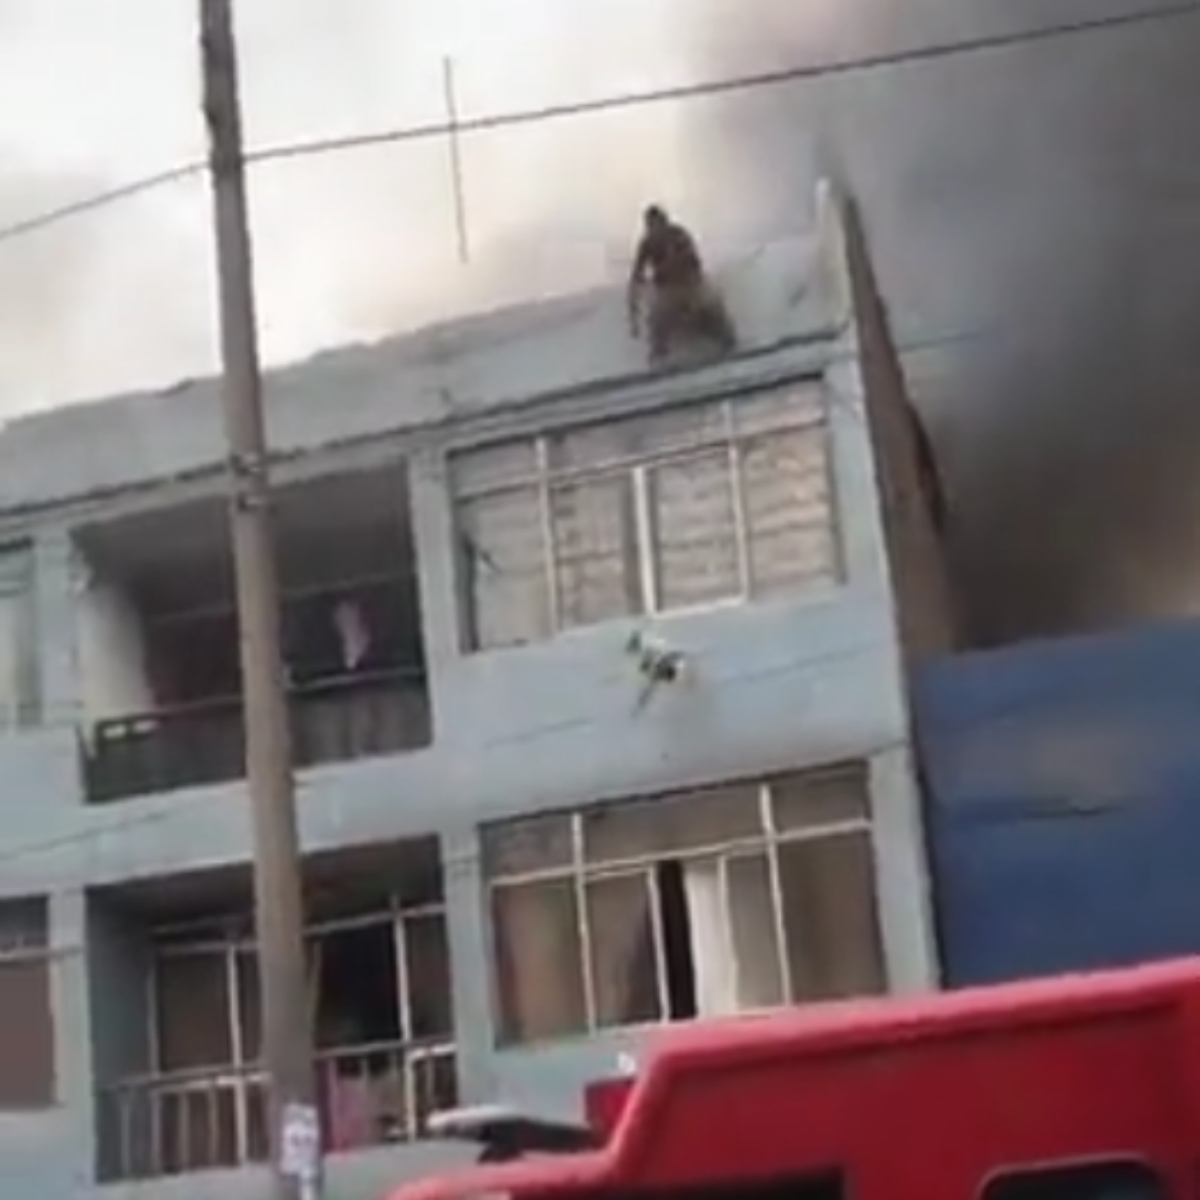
1064,802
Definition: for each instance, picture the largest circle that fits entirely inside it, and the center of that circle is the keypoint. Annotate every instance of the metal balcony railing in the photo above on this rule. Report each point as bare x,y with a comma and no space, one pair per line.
347,717
188,1121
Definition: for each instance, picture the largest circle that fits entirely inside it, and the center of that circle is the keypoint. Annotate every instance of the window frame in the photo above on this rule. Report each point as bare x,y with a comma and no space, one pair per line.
581,873
32,948
804,407
22,709
1048,1171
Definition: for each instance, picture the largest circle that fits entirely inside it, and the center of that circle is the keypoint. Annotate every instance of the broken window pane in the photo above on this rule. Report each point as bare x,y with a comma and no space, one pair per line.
539,963
504,568
695,531
789,519
624,951
595,550
665,825
753,926
830,919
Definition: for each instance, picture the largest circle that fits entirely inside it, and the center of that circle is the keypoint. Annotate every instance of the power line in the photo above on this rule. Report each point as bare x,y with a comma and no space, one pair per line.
176,806
483,124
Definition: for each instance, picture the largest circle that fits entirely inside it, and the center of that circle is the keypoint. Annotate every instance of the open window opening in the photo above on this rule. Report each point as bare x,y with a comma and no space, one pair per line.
737,898
190,1094
158,636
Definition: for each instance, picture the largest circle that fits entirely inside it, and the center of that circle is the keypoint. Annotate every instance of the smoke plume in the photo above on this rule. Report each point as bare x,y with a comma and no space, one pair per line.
1035,229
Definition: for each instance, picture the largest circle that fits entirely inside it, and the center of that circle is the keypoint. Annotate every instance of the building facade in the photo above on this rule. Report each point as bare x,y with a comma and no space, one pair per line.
524,846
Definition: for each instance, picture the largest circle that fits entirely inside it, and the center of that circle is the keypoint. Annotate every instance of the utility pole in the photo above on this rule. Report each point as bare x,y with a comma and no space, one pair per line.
286,1032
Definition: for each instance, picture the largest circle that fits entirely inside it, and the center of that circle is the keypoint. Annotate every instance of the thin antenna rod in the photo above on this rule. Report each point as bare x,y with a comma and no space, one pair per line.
450,93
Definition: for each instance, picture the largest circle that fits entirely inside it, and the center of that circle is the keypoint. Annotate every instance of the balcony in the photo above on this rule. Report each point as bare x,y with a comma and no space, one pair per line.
158,637
333,720
179,1122
177,1039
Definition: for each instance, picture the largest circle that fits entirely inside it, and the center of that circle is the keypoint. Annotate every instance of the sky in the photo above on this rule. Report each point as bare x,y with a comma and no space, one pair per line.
351,246
1033,217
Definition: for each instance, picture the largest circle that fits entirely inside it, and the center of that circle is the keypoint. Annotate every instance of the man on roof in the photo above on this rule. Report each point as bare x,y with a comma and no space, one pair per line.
683,303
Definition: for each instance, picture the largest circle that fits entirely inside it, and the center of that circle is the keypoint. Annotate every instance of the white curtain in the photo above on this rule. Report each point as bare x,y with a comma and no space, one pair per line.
708,920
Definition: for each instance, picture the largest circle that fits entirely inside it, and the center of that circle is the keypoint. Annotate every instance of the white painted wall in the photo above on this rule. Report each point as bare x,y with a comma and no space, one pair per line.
113,676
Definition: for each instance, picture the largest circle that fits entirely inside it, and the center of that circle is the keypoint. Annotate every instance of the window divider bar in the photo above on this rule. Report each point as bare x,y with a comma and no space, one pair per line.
402,981
241,1118
727,938
549,555
579,878
647,550
779,921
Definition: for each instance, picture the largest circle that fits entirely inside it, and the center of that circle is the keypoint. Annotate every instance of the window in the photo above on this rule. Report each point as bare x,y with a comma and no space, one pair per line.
690,506
739,897
27,1032
1087,1181
19,686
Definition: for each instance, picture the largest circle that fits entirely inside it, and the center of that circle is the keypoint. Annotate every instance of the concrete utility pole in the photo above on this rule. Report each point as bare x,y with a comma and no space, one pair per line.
286,1033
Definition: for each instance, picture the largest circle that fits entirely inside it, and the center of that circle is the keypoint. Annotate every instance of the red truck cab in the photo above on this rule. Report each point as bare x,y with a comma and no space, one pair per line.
1081,1088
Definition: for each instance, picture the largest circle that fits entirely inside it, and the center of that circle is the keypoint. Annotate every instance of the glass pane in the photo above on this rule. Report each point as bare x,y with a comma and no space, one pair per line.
752,919
674,824
428,968
625,966
23,925
603,444
695,531
1091,1181
495,466
681,426
27,1044
249,1005
504,569
789,516
250,996
629,439
192,1003
529,844
759,412
830,922
814,798
539,961
595,550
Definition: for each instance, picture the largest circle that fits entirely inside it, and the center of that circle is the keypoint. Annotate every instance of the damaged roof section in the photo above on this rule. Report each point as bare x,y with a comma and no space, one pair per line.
779,293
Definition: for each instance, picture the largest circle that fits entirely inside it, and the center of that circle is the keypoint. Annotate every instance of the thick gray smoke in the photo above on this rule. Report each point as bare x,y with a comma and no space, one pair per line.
348,247
1035,217
1034,214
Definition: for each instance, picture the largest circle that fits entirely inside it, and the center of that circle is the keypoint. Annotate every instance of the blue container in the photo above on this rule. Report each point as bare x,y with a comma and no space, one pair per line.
1064,802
